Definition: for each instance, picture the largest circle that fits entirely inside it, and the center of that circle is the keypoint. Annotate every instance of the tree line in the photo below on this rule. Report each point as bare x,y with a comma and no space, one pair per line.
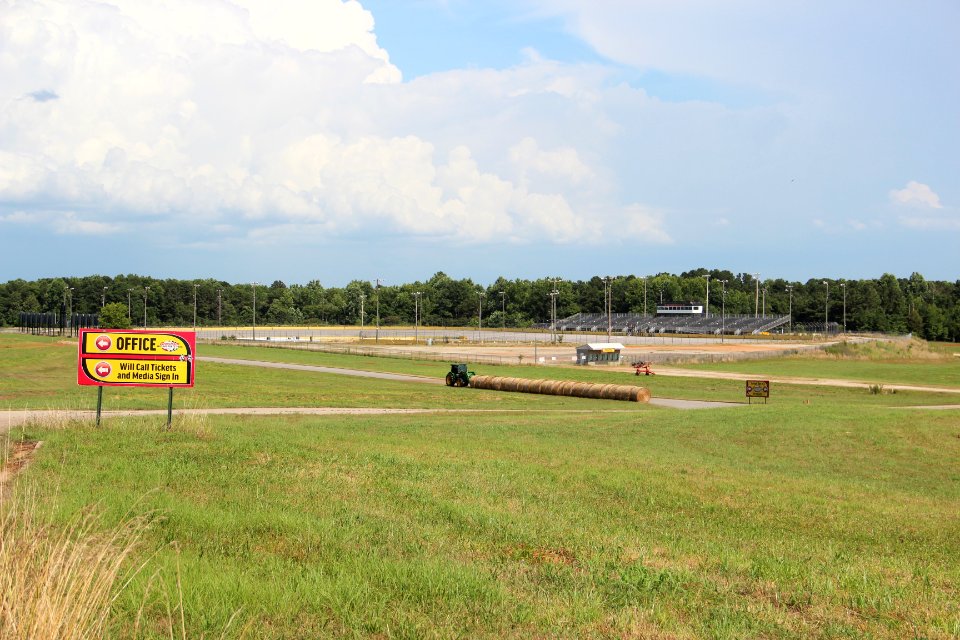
928,309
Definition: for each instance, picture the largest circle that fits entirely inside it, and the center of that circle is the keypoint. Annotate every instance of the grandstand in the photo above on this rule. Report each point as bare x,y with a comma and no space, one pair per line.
694,323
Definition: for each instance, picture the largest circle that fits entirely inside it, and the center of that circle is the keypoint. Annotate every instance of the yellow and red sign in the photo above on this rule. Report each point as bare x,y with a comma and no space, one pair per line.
136,358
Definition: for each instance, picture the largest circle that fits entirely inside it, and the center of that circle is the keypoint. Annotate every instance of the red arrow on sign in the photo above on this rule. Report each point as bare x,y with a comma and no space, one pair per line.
103,369
103,343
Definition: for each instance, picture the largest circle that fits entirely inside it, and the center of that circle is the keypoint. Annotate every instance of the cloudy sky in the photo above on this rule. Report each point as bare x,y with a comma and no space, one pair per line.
332,140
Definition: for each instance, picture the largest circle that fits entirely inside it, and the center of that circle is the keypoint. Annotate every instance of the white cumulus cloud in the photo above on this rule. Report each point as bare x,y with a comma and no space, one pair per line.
916,194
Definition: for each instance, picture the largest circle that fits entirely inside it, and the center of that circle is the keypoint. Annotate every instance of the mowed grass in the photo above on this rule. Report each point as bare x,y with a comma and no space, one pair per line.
777,522
925,372
40,373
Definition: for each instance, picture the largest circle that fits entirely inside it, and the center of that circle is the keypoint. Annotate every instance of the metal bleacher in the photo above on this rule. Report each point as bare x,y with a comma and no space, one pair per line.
635,323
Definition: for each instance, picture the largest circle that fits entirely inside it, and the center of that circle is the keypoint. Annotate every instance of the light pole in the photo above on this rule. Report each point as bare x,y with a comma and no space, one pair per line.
363,297
843,287
129,291
480,321
103,298
826,310
416,316
756,298
790,292
707,304
70,310
195,306
219,307
644,295
254,285
503,311
378,311
145,291
723,309
764,302
608,294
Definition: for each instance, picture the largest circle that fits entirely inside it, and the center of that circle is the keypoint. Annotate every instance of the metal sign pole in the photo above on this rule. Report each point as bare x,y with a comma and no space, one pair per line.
99,403
170,408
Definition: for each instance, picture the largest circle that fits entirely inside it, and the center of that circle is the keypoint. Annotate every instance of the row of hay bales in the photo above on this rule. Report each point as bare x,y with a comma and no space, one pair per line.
562,388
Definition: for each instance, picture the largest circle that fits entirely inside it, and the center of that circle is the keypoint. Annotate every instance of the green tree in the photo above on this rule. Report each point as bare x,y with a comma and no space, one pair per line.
114,316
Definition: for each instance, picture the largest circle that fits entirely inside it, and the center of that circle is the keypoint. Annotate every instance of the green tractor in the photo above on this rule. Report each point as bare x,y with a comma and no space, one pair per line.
459,376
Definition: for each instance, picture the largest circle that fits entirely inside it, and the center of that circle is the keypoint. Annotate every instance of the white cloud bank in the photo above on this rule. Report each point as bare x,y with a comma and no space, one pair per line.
922,210
253,117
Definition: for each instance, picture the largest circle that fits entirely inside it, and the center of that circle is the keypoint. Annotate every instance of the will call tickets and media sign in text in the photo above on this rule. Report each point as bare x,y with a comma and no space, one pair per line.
136,358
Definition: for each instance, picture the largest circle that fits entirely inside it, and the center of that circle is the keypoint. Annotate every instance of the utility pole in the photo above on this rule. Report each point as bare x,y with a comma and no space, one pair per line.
362,297
129,291
145,290
195,285
103,298
219,307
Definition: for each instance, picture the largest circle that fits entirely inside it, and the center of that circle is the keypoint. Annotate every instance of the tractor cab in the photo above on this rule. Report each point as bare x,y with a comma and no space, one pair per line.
459,376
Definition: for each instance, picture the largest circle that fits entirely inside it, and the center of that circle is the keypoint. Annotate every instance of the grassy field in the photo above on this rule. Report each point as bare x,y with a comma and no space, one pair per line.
828,513
40,373
914,363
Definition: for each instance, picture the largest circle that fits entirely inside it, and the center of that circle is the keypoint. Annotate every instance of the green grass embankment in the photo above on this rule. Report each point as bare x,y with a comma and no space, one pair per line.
776,522
827,513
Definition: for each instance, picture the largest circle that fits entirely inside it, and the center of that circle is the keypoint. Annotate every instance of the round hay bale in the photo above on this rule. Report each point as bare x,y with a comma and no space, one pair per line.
589,390
526,386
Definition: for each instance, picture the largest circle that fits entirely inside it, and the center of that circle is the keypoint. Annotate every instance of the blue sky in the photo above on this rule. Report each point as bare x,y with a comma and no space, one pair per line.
300,140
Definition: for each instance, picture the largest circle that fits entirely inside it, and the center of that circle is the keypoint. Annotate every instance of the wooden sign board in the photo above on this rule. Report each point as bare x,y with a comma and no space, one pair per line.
758,389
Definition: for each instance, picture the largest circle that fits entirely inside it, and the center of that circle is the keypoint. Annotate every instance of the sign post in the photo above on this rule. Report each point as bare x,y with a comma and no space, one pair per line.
134,358
758,389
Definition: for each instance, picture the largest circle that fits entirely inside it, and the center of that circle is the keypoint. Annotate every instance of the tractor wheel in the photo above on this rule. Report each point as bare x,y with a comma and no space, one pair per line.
450,380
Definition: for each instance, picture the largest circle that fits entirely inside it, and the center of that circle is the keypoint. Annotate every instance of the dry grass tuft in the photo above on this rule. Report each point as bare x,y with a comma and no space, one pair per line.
59,582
